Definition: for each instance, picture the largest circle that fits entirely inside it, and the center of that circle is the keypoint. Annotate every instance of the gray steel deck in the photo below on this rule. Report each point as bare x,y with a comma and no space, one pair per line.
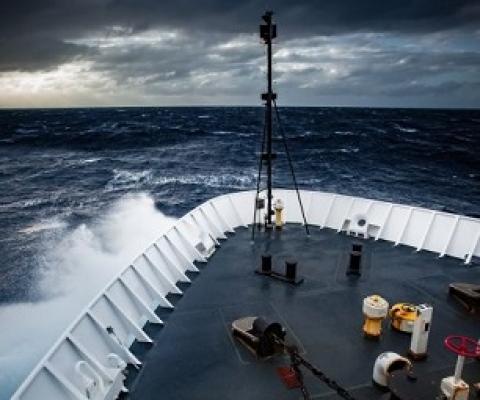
195,357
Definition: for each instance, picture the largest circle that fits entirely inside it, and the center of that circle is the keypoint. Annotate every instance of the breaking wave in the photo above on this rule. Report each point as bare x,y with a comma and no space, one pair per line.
74,265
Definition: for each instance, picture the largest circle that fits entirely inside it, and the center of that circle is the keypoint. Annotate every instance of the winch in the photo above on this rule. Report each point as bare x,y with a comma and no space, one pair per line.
265,339
375,309
258,335
403,316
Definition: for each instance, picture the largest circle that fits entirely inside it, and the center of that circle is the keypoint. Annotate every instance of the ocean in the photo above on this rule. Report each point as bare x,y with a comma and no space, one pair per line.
82,191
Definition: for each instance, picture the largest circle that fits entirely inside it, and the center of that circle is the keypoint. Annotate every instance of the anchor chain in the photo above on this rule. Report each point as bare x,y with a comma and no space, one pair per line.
296,360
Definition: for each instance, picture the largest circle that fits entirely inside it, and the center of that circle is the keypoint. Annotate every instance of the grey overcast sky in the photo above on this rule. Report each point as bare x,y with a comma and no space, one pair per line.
410,53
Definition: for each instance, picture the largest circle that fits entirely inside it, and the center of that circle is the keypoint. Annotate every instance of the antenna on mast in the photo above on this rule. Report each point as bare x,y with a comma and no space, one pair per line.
268,32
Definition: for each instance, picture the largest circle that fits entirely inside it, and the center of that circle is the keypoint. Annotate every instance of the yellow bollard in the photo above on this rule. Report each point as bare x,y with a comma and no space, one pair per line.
278,214
375,309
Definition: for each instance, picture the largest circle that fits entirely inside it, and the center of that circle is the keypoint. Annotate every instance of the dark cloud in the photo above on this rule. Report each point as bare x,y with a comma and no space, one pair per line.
38,53
371,51
24,24
328,16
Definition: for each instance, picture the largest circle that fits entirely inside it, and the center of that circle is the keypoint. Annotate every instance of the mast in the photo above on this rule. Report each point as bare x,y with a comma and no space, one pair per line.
268,31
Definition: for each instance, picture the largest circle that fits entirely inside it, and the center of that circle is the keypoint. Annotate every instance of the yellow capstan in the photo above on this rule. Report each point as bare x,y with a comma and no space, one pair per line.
403,316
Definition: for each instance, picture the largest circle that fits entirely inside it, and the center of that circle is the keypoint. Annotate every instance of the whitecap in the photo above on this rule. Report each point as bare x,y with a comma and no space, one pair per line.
43,226
405,129
125,179
232,181
24,203
223,132
26,131
89,160
347,150
303,134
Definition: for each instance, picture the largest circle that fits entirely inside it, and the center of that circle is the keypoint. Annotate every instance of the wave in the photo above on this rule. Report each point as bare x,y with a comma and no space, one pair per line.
326,151
28,203
45,225
129,135
232,181
124,179
405,129
26,131
223,133
73,267
347,150
89,161
234,134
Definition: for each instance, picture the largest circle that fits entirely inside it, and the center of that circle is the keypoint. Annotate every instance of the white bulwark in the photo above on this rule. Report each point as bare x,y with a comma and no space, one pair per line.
88,361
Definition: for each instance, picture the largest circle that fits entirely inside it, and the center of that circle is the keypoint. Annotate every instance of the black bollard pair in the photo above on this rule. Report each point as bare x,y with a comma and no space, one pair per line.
290,274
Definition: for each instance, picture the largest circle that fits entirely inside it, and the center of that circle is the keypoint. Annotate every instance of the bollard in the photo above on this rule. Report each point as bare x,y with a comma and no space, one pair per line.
266,264
291,269
355,260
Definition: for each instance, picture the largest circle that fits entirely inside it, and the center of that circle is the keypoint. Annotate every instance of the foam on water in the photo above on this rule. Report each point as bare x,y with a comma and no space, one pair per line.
124,179
54,223
232,181
75,265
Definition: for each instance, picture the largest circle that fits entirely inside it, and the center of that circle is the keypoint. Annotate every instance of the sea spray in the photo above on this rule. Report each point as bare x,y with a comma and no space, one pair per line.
75,265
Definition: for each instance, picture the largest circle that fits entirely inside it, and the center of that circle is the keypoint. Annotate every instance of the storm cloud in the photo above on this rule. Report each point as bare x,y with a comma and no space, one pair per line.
411,53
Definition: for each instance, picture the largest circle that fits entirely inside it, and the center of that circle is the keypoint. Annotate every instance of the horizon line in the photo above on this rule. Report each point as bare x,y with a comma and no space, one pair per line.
459,108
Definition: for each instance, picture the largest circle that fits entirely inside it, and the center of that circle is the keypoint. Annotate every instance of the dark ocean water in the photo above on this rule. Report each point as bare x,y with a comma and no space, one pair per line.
69,165
63,171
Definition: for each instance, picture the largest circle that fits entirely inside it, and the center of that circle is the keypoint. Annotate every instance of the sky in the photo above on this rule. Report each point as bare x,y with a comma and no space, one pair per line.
378,53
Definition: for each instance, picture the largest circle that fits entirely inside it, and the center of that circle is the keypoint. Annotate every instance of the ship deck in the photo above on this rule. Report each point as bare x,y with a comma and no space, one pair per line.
195,357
